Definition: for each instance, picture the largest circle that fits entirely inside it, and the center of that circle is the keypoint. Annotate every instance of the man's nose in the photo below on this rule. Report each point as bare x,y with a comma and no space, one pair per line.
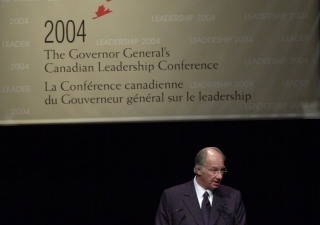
219,174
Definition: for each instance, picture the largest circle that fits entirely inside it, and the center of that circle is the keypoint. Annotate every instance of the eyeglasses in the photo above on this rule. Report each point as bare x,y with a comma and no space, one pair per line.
216,171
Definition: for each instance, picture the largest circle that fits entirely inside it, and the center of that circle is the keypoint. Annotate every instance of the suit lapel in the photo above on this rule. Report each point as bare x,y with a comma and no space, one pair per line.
216,206
191,201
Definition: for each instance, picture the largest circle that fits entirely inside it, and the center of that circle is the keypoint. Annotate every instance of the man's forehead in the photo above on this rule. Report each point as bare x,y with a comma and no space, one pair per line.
213,154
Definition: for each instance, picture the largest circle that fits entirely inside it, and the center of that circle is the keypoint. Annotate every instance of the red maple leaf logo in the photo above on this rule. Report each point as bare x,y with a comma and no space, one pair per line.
102,11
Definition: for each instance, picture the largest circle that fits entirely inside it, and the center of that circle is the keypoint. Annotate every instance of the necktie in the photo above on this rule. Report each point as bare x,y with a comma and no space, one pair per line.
205,208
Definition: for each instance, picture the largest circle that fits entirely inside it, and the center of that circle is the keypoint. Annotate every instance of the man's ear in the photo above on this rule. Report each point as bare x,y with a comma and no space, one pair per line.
198,170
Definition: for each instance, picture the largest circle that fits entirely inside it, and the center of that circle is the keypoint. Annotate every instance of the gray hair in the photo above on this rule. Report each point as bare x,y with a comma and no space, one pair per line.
202,155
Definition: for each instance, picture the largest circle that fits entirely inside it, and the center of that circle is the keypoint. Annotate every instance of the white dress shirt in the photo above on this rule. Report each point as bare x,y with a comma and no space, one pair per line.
200,191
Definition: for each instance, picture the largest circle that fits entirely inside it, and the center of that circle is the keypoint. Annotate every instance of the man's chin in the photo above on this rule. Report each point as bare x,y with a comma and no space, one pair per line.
215,185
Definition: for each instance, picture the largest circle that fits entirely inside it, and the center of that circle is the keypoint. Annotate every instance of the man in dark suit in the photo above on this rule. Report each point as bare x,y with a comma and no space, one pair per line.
203,200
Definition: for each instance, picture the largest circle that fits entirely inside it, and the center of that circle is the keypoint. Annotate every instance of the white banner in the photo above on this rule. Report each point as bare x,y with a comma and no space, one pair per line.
141,60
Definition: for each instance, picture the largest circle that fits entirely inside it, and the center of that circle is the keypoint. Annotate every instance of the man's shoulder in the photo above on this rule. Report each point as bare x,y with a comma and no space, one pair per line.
226,190
180,187
189,186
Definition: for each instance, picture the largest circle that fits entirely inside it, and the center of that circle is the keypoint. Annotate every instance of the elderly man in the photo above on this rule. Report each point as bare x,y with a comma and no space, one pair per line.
203,200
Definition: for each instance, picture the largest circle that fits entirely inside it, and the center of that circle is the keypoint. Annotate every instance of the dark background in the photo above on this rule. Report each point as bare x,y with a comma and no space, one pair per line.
115,173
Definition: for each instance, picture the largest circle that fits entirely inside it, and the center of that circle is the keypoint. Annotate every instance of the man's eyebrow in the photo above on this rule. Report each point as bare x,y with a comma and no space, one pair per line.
214,167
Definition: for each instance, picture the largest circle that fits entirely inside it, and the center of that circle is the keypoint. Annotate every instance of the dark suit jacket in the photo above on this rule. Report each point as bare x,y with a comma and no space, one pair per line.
227,207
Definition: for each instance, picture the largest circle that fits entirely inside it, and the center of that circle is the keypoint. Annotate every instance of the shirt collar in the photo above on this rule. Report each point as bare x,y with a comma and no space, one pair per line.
200,190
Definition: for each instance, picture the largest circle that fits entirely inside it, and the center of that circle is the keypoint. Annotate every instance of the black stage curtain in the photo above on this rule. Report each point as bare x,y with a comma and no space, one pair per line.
115,173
